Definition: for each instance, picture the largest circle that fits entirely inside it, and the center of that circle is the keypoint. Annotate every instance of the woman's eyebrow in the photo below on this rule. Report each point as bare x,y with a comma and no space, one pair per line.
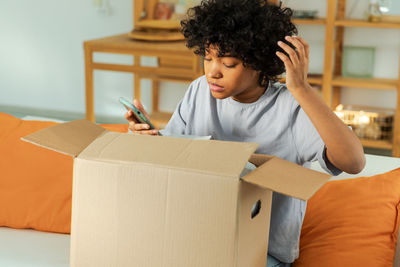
228,55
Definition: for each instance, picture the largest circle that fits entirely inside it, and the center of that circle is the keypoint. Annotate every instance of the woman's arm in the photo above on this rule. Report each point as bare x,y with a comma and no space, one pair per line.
344,149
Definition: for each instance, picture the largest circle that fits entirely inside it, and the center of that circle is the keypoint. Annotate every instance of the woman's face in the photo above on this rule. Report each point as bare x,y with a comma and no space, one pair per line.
228,77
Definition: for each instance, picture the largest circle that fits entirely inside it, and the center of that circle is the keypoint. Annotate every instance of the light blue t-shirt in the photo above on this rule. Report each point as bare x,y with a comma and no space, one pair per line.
281,128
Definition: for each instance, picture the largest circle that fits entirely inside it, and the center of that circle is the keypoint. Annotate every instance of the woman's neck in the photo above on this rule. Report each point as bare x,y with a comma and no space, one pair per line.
250,95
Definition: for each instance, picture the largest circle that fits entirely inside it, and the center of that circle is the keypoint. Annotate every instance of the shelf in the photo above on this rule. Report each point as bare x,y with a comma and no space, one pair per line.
309,21
373,83
364,23
377,144
313,79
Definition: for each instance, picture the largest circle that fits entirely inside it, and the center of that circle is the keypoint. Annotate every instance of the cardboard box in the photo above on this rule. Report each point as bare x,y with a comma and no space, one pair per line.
162,201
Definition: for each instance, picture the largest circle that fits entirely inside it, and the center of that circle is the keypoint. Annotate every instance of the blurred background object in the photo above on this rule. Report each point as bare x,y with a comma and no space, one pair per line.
358,61
368,122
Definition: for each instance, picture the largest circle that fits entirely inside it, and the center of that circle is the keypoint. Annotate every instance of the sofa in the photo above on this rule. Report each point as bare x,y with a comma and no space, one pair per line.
30,247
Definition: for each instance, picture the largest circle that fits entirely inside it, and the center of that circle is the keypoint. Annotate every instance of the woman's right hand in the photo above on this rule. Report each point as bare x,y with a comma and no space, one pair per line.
134,125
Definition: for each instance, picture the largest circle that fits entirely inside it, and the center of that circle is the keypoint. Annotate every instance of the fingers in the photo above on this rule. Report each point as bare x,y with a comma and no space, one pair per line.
306,46
291,52
141,128
133,126
149,132
299,47
139,106
302,47
285,59
129,116
298,57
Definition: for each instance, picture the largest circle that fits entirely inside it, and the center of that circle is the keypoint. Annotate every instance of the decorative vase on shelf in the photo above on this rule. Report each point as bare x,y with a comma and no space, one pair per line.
374,12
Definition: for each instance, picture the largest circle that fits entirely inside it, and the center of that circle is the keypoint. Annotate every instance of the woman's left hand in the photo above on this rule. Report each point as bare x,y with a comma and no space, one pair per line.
296,63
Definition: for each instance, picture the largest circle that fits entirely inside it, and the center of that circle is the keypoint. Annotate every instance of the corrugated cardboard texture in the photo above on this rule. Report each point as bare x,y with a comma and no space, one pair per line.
155,216
218,157
253,232
68,138
287,178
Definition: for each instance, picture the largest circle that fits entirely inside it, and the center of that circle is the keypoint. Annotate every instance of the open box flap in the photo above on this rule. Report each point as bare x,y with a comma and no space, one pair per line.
69,138
285,177
219,157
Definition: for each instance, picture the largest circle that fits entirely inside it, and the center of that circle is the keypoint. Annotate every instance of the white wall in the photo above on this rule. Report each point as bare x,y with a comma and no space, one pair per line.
42,64
41,51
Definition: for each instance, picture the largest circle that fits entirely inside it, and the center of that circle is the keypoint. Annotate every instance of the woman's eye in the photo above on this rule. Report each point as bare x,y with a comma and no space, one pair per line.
230,66
207,59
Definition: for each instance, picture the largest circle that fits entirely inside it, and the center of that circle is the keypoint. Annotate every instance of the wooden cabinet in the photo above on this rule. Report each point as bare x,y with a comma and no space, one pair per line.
175,62
332,81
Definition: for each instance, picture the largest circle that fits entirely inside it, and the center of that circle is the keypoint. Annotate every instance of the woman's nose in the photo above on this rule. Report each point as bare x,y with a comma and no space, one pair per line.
214,72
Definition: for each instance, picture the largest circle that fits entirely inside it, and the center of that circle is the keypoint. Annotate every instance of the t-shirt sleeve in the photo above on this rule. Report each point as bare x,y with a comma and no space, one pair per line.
308,142
177,123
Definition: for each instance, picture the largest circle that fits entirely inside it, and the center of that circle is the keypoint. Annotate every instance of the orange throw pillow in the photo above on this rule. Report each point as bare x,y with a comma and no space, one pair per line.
35,183
353,223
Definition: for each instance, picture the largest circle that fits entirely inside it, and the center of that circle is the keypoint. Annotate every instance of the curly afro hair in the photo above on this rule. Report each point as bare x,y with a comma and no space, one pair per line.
245,29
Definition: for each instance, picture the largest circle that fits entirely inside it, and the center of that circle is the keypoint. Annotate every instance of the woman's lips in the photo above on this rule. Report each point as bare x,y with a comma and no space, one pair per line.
215,87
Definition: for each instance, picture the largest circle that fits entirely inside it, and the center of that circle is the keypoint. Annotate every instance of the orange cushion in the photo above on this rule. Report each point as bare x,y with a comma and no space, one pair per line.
35,183
352,222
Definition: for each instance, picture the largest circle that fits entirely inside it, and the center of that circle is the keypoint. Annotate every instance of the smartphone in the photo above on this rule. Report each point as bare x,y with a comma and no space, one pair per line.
139,116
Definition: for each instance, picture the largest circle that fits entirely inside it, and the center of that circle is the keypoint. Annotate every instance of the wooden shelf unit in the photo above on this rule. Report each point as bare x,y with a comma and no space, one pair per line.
377,144
313,79
374,83
367,24
318,21
333,81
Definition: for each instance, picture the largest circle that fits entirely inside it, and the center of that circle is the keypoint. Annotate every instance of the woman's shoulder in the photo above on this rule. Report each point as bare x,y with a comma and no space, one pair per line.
282,94
197,89
199,84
